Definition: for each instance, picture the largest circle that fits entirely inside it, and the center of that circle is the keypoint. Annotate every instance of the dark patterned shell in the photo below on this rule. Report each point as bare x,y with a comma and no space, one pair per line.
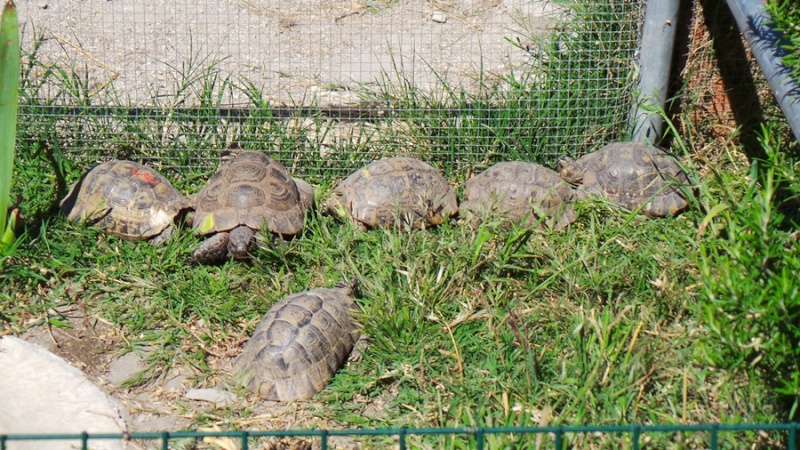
299,344
520,192
393,191
249,190
631,175
126,199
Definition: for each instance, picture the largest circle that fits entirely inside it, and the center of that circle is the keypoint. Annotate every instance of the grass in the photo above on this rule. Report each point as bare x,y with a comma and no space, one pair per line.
619,319
786,15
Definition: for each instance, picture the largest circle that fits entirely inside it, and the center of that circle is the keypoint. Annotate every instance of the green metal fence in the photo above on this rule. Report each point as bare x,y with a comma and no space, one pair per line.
556,437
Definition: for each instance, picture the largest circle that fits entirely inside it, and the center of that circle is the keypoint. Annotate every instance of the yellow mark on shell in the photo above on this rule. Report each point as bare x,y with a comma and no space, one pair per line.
207,224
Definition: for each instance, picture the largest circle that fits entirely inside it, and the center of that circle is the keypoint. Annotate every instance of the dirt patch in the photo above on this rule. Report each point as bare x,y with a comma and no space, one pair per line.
86,343
295,52
179,398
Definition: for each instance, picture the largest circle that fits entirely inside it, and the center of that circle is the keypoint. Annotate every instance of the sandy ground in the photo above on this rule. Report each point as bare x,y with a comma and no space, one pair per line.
294,51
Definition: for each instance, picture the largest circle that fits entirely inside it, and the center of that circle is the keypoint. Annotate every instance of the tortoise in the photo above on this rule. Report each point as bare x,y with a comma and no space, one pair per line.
394,191
519,192
126,199
248,191
299,344
633,175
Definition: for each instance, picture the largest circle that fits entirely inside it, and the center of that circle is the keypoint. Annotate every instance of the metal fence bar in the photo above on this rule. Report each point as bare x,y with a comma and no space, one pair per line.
559,438
714,437
479,433
244,444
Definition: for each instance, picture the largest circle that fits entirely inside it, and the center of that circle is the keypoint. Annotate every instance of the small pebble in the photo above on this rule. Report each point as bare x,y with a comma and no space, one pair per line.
439,17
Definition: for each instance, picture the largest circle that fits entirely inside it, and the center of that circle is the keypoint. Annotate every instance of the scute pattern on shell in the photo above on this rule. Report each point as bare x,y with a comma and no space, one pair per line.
249,190
520,192
631,175
398,190
299,344
126,199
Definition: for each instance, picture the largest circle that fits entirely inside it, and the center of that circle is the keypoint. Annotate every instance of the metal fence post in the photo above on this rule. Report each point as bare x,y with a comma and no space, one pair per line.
635,437
479,438
402,440
766,42
559,438
244,440
165,440
792,444
714,431
84,441
324,444
655,61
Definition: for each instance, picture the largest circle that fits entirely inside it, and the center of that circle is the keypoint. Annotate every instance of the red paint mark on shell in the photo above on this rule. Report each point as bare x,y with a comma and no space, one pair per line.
144,175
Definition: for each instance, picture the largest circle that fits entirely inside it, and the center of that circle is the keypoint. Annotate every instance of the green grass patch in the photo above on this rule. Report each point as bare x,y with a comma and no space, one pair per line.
618,319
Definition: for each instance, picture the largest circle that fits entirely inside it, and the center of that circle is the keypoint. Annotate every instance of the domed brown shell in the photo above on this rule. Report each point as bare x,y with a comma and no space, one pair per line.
251,189
299,345
631,175
395,191
126,199
520,192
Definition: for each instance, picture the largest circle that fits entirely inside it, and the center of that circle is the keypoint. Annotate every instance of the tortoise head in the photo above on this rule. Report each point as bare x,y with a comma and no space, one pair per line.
570,170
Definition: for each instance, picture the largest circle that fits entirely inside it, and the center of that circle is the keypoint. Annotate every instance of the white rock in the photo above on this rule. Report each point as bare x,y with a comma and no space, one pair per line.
212,395
41,393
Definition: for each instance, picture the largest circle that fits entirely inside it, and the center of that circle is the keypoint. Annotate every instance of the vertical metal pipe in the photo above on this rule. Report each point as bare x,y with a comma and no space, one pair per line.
765,41
655,62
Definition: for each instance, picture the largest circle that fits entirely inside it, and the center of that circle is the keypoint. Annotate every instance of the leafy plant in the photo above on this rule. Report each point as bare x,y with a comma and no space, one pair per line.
786,14
751,307
9,99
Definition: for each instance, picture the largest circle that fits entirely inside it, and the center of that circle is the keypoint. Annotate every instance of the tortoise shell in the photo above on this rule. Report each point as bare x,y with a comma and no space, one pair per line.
251,189
520,192
395,191
299,344
126,199
632,175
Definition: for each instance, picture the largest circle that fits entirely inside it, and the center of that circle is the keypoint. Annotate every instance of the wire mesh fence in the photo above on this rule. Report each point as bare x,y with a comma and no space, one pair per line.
711,436
324,85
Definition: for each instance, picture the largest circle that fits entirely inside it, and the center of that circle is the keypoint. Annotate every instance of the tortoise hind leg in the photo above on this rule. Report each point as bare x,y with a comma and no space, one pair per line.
240,239
213,250
163,237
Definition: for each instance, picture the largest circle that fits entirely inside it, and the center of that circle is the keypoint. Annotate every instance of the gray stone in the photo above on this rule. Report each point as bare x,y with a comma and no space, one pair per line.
43,394
124,367
217,396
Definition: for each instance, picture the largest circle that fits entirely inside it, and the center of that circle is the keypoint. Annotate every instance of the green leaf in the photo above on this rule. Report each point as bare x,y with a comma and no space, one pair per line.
9,99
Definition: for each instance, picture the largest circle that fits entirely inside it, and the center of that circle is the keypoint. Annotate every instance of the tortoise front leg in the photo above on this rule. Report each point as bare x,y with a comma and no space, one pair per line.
213,250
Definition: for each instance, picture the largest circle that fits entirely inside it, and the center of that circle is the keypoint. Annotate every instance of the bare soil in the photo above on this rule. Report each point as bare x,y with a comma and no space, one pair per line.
331,51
